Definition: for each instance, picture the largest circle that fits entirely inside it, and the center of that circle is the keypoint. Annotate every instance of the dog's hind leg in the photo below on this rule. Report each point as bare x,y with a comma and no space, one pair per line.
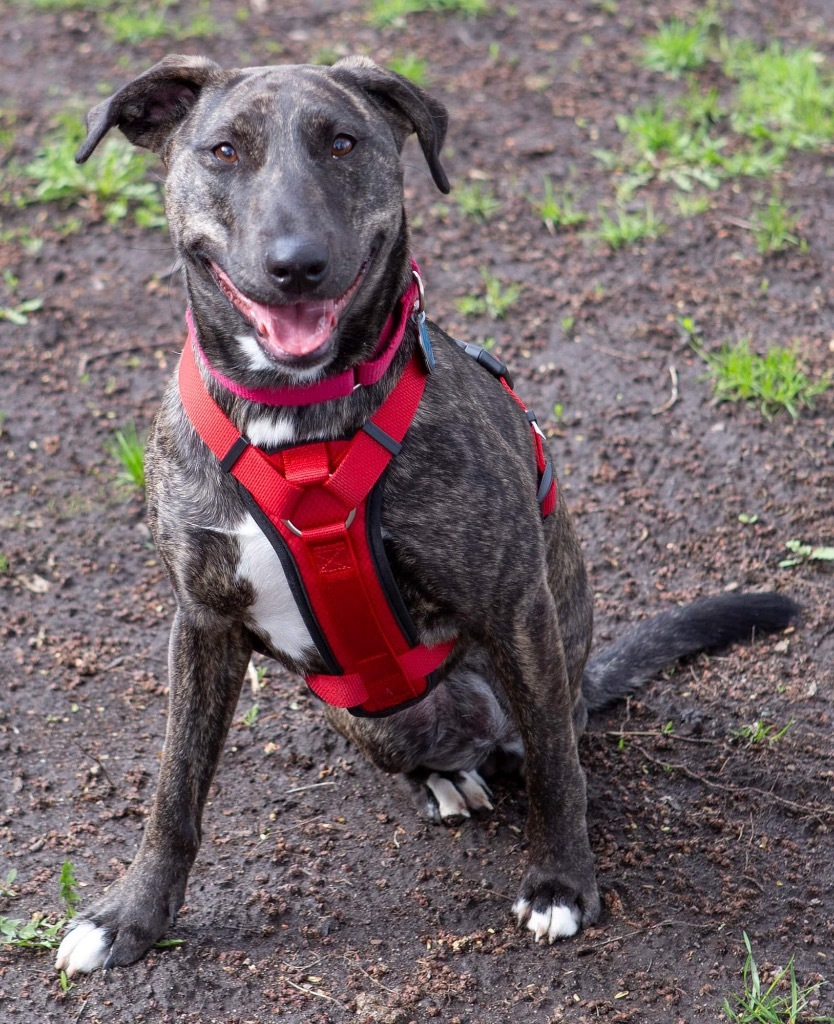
439,745
208,660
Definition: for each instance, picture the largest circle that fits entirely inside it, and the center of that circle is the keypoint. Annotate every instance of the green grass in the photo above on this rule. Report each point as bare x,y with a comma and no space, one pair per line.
128,449
689,205
557,211
495,301
410,66
5,564
785,97
477,201
624,228
384,12
761,732
113,183
775,227
652,130
19,314
675,48
779,1002
135,25
801,553
250,718
781,100
40,932
775,382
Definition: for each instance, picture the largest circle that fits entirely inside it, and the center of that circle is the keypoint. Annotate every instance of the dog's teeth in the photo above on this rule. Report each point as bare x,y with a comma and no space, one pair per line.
450,803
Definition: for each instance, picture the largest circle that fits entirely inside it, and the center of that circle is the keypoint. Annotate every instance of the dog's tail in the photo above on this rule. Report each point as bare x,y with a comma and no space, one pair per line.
711,622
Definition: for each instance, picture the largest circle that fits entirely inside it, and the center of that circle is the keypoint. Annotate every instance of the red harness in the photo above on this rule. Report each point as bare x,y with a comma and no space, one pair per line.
314,502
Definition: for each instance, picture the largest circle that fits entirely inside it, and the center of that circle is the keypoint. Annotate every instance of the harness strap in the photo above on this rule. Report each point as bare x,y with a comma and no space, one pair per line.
547,494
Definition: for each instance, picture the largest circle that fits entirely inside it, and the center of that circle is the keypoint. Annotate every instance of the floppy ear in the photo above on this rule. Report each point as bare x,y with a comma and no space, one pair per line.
408,108
149,108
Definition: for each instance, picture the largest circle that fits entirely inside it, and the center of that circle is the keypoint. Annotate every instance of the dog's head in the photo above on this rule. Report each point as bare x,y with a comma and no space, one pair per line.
284,199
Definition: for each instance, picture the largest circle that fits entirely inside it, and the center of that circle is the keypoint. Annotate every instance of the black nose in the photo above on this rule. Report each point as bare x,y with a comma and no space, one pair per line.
297,263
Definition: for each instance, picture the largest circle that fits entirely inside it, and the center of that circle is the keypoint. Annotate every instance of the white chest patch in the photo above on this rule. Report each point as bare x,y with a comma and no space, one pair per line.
274,611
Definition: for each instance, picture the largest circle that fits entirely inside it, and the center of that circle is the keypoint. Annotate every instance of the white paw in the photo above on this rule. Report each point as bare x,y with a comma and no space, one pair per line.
83,949
450,802
557,922
458,796
475,791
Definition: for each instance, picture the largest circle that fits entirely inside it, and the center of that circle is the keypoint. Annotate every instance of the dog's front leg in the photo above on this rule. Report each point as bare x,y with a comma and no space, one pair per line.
207,662
558,892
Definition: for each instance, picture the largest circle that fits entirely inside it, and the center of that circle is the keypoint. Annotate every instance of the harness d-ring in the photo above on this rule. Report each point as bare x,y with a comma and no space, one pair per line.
420,302
299,533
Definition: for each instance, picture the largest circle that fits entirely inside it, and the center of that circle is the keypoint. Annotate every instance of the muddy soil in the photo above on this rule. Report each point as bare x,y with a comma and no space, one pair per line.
318,896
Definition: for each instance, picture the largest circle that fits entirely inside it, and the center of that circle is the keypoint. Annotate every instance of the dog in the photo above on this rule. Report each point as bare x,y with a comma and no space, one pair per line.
285,204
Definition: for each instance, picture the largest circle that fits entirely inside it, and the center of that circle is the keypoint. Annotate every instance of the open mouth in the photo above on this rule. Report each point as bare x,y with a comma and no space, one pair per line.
294,330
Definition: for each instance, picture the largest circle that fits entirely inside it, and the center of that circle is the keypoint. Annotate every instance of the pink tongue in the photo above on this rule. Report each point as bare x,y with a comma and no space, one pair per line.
294,330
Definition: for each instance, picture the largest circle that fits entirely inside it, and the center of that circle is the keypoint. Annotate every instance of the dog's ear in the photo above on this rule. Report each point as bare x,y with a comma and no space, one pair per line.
152,105
408,108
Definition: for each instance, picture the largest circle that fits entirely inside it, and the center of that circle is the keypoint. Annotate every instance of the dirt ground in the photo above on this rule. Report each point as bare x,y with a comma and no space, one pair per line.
318,896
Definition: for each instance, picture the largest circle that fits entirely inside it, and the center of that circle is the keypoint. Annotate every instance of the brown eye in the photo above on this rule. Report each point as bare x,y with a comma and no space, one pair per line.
342,145
226,153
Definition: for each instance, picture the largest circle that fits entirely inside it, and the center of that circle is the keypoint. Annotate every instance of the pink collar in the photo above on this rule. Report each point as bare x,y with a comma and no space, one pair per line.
331,387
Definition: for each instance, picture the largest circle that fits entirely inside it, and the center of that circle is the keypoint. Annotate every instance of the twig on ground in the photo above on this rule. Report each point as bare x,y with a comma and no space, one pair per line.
812,812
667,923
314,992
673,397
93,757
313,785
657,734
739,223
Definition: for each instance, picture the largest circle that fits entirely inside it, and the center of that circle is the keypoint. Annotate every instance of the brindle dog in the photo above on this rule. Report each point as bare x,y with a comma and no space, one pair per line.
285,203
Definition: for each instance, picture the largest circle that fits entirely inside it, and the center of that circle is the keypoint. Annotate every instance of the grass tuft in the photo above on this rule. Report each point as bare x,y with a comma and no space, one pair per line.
114,182
477,201
557,211
494,303
780,1002
40,932
675,48
761,733
410,66
774,227
128,449
783,96
776,381
385,12
626,228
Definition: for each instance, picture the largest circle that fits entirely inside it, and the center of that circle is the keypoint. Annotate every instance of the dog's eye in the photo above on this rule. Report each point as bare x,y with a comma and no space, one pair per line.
226,153
342,145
